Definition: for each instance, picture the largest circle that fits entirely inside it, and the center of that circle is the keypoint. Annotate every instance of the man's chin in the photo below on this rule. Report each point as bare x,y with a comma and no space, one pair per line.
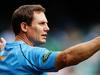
40,43
43,41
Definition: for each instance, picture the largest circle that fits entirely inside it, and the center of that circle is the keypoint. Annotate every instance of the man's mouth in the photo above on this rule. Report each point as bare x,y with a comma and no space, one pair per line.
44,36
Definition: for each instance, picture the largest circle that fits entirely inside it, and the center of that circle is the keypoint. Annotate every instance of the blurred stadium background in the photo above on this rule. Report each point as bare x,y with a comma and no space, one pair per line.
70,22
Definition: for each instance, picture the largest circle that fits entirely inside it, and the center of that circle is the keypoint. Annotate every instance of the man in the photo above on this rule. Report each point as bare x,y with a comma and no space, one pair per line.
23,57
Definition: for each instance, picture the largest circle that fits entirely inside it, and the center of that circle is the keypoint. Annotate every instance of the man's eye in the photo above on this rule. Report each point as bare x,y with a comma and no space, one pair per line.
42,23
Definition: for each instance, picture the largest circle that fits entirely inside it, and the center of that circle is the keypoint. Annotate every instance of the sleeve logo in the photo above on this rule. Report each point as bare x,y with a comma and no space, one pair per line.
45,56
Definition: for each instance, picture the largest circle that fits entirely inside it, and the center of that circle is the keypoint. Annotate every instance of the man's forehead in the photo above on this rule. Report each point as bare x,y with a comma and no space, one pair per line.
40,16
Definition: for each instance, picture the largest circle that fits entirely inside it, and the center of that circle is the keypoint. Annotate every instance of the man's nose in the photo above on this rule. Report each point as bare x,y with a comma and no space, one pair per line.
46,28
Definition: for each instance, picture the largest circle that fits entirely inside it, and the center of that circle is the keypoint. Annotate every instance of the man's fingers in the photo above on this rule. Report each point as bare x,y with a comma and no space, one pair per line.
2,42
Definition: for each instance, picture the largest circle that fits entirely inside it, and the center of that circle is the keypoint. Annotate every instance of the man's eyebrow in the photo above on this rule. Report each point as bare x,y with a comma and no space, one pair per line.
42,22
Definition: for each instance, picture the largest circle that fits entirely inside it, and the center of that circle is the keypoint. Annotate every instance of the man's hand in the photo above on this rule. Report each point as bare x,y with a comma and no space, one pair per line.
2,42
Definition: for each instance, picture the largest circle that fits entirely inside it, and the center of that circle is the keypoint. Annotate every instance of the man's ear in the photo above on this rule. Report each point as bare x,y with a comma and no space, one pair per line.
24,27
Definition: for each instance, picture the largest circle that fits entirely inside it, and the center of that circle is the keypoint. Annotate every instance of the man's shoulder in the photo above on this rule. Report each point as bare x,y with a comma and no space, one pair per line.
14,43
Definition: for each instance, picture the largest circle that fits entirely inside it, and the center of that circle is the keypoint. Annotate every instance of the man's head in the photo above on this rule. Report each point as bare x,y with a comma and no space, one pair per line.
31,21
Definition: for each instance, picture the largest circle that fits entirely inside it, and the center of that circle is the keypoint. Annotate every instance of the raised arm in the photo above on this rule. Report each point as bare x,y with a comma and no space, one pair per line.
77,53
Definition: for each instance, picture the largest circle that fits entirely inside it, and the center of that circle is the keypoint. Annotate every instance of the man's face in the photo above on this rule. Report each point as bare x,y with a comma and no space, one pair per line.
37,32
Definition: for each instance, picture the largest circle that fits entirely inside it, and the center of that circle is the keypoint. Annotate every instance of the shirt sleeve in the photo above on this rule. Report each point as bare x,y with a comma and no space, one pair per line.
44,60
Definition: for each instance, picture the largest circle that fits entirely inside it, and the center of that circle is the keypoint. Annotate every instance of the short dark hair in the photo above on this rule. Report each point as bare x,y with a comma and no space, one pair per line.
24,14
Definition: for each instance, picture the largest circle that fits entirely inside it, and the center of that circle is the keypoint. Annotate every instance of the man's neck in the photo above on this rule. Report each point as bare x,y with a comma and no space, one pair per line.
24,38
